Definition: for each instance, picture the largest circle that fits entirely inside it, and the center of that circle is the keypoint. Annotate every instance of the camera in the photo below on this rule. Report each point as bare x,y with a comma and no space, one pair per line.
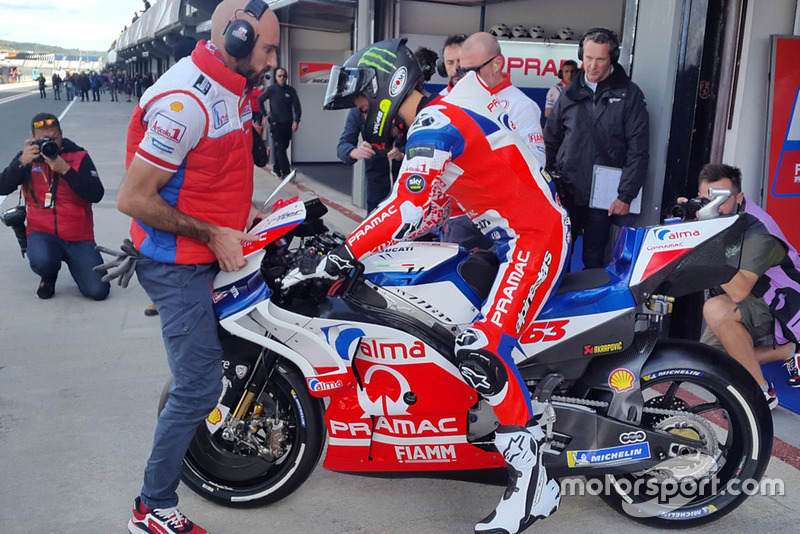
47,147
14,218
687,211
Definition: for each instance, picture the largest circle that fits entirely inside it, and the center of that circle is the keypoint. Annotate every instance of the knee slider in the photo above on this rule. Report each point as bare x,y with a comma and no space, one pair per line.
482,370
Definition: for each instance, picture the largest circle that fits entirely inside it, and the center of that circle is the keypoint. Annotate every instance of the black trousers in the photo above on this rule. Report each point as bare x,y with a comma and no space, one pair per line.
595,226
281,136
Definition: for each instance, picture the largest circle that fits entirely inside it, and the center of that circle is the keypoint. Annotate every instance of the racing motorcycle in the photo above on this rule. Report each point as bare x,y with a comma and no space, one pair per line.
366,363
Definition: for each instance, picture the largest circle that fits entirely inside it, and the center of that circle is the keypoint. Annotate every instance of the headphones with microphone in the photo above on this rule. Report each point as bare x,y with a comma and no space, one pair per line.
441,70
240,35
610,38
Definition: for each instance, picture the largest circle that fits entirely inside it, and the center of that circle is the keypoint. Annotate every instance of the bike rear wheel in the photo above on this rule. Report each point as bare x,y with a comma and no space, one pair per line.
721,407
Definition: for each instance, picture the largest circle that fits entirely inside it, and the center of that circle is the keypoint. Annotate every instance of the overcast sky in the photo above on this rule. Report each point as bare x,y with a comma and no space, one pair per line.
83,24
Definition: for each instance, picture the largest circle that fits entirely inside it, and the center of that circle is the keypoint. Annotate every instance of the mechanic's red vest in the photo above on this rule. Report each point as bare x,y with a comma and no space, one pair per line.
70,218
216,178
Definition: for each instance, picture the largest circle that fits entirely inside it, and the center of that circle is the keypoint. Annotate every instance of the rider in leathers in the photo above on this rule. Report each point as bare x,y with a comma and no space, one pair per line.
463,149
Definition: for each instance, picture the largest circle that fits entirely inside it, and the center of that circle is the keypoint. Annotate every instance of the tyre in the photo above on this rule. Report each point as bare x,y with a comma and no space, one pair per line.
715,401
268,455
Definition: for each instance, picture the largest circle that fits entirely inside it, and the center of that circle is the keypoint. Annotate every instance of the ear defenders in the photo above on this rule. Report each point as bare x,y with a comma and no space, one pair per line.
612,37
441,70
240,36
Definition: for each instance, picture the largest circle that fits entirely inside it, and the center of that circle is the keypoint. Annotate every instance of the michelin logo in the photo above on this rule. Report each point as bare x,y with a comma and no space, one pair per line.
609,456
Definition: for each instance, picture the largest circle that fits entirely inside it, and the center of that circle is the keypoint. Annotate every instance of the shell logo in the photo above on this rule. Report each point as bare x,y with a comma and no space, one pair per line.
215,416
621,380
176,106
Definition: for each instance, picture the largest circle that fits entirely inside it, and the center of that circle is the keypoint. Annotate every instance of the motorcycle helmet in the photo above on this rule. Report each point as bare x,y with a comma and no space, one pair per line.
519,31
536,32
564,34
500,30
385,73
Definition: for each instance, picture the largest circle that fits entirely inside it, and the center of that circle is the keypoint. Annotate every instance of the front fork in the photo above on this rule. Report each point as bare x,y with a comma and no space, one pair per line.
243,380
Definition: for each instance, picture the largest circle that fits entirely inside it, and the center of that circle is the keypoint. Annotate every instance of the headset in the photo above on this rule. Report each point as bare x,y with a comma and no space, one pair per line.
613,42
240,36
441,70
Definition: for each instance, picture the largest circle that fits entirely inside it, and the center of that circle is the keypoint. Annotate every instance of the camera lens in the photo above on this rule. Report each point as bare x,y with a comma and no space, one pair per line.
49,149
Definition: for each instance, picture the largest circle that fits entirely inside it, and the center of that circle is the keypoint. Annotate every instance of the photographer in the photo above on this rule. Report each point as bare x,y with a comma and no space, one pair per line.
60,183
763,298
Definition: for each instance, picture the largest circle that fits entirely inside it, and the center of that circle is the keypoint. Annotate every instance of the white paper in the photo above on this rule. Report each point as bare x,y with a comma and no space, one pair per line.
605,182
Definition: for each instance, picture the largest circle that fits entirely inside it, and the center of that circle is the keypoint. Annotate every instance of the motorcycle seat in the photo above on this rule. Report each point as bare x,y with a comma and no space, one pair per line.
583,280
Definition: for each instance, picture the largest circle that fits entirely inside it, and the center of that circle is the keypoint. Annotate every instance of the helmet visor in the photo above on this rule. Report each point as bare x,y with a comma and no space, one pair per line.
345,84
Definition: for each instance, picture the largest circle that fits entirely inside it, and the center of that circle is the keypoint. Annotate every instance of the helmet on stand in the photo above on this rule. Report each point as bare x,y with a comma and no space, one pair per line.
536,32
564,34
500,30
519,31
385,73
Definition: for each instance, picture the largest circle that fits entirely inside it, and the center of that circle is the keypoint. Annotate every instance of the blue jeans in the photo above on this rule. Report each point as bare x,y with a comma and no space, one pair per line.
47,251
182,294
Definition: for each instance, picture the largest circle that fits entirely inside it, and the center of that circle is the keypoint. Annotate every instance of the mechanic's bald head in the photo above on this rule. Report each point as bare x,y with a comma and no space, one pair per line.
481,42
264,54
481,51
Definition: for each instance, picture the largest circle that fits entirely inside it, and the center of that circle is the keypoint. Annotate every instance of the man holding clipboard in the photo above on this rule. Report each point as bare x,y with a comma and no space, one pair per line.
596,141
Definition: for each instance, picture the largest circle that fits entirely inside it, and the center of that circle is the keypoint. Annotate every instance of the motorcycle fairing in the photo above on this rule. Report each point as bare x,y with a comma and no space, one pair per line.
683,258
407,412
238,290
413,263
235,291
276,224
567,345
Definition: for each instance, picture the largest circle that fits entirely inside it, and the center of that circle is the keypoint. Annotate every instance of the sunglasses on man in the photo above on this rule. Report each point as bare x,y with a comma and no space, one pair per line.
462,71
42,124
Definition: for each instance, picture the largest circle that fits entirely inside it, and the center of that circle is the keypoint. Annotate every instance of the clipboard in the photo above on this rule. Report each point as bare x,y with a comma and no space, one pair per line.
605,182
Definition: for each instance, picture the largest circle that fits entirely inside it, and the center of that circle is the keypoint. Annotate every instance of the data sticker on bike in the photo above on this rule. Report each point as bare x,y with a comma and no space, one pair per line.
612,455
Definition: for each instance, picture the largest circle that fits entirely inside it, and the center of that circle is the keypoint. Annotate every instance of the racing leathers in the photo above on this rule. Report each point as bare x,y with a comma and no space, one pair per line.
527,117
463,149
524,112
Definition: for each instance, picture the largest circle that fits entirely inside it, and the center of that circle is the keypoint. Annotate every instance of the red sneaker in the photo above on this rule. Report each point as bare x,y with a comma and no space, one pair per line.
160,521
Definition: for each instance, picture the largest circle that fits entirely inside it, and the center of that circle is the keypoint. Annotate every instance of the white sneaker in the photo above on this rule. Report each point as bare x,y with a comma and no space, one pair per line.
772,398
793,368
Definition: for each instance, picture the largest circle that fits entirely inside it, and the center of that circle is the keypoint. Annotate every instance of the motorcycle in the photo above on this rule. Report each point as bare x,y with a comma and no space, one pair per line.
366,364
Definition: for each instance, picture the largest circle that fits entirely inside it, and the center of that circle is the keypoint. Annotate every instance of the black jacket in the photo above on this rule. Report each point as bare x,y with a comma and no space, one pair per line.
284,106
618,114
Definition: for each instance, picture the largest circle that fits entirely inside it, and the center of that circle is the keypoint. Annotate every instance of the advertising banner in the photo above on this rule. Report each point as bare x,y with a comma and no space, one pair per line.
314,73
783,137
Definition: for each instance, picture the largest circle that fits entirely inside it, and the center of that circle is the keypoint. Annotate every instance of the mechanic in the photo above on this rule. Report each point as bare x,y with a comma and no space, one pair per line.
188,187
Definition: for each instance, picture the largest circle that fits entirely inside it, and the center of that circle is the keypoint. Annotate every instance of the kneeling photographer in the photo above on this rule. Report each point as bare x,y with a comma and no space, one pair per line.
59,183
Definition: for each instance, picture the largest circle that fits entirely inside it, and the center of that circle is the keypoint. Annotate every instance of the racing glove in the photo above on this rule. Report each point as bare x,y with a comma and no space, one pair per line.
339,261
122,266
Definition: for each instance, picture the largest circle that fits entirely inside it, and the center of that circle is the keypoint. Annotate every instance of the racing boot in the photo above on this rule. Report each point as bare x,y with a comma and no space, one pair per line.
529,495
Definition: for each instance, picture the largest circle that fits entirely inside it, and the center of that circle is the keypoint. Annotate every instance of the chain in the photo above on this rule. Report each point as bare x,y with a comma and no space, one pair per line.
603,404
